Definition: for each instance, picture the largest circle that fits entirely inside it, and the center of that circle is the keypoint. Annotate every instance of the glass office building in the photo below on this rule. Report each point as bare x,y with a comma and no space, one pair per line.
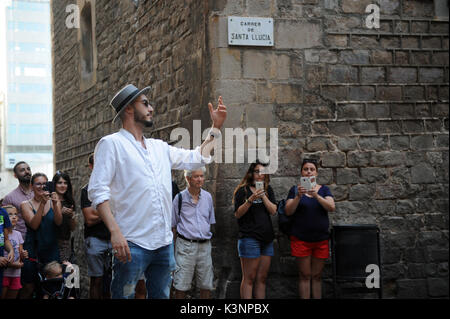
28,111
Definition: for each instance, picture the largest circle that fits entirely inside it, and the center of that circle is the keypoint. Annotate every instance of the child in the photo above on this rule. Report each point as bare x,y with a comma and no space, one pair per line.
11,275
56,288
5,229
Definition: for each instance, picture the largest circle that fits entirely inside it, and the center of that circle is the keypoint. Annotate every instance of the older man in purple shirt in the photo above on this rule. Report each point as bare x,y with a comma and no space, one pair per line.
23,192
191,224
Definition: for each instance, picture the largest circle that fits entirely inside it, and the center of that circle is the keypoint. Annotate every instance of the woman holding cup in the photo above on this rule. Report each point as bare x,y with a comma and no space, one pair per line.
309,203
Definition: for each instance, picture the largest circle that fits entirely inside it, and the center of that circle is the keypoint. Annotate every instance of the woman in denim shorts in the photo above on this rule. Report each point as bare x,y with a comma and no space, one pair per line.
253,209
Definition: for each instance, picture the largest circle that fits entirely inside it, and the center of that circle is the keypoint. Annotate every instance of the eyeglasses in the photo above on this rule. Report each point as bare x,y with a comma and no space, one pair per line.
145,102
39,184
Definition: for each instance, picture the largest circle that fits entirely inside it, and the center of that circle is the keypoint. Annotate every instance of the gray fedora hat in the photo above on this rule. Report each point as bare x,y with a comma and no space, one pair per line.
125,96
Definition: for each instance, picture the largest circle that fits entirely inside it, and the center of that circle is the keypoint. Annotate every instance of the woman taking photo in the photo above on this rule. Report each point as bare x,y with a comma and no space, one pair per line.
309,232
253,208
63,189
42,216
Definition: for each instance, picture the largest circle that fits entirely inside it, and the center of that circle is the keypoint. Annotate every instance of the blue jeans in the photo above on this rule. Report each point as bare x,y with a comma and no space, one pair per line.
157,266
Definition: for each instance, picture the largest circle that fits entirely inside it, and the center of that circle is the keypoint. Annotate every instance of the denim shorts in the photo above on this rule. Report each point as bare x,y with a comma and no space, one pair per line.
97,256
252,248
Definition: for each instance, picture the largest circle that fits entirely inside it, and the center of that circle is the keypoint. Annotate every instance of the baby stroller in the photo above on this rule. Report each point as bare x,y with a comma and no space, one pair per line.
58,288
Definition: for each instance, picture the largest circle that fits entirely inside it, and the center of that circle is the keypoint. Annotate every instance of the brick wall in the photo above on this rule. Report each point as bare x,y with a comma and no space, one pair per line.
158,43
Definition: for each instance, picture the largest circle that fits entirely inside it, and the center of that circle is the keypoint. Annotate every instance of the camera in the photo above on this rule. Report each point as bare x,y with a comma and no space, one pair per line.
49,187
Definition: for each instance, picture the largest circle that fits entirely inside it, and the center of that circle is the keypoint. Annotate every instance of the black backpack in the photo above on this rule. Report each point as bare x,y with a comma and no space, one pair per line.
284,222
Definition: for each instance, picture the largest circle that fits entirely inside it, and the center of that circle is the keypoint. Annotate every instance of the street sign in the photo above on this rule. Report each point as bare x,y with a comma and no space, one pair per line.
250,31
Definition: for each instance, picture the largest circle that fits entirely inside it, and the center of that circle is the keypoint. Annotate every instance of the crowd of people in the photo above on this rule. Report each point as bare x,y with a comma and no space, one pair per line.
143,237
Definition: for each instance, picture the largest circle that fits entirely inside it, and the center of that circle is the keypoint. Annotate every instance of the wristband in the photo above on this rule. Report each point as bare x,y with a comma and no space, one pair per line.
215,133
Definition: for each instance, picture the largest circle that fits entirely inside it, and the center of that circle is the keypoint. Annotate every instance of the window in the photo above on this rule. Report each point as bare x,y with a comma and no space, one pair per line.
88,49
441,8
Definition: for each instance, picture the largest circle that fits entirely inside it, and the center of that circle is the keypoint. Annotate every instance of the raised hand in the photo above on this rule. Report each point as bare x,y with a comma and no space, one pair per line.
218,115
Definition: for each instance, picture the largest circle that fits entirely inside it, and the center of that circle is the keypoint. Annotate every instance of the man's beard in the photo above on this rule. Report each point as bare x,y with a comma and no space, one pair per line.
146,123
24,179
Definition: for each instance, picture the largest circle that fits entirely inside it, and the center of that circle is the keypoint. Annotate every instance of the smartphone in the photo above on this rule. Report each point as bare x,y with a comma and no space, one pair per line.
313,182
259,185
305,182
49,187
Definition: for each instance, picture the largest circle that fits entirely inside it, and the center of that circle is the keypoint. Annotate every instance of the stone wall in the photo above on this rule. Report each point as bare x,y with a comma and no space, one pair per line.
371,104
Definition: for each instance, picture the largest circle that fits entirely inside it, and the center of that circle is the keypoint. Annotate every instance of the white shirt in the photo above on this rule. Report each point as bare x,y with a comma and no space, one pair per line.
138,184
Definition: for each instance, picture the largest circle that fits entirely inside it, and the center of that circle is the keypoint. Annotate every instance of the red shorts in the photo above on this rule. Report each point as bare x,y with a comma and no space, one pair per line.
12,283
301,248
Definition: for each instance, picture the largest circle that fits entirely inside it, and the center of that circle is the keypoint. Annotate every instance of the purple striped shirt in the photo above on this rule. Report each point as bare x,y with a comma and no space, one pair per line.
15,198
194,220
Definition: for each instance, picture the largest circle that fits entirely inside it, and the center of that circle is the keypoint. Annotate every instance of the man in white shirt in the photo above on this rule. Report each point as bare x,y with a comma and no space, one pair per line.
131,189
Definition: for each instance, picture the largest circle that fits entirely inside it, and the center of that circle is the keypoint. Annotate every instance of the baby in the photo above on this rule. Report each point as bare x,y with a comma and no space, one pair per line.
55,270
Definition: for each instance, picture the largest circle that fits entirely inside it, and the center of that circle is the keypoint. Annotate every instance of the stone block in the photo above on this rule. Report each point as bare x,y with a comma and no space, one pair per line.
387,159
364,128
355,6
259,116
354,57
365,42
413,126
373,175
422,142
297,34
336,159
342,74
378,111
358,159
347,176
347,111
373,74
403,75
410,42
439,58
259,8
381,57
399,143
334,93
340,192
337,40
431,75
361,93
437,287
377,143
316,144
361,192
420,57
236,91
325,176
402,111
401,57
339,128
414,93
347,143
431,42
418,8
389,93
226,63
422,173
